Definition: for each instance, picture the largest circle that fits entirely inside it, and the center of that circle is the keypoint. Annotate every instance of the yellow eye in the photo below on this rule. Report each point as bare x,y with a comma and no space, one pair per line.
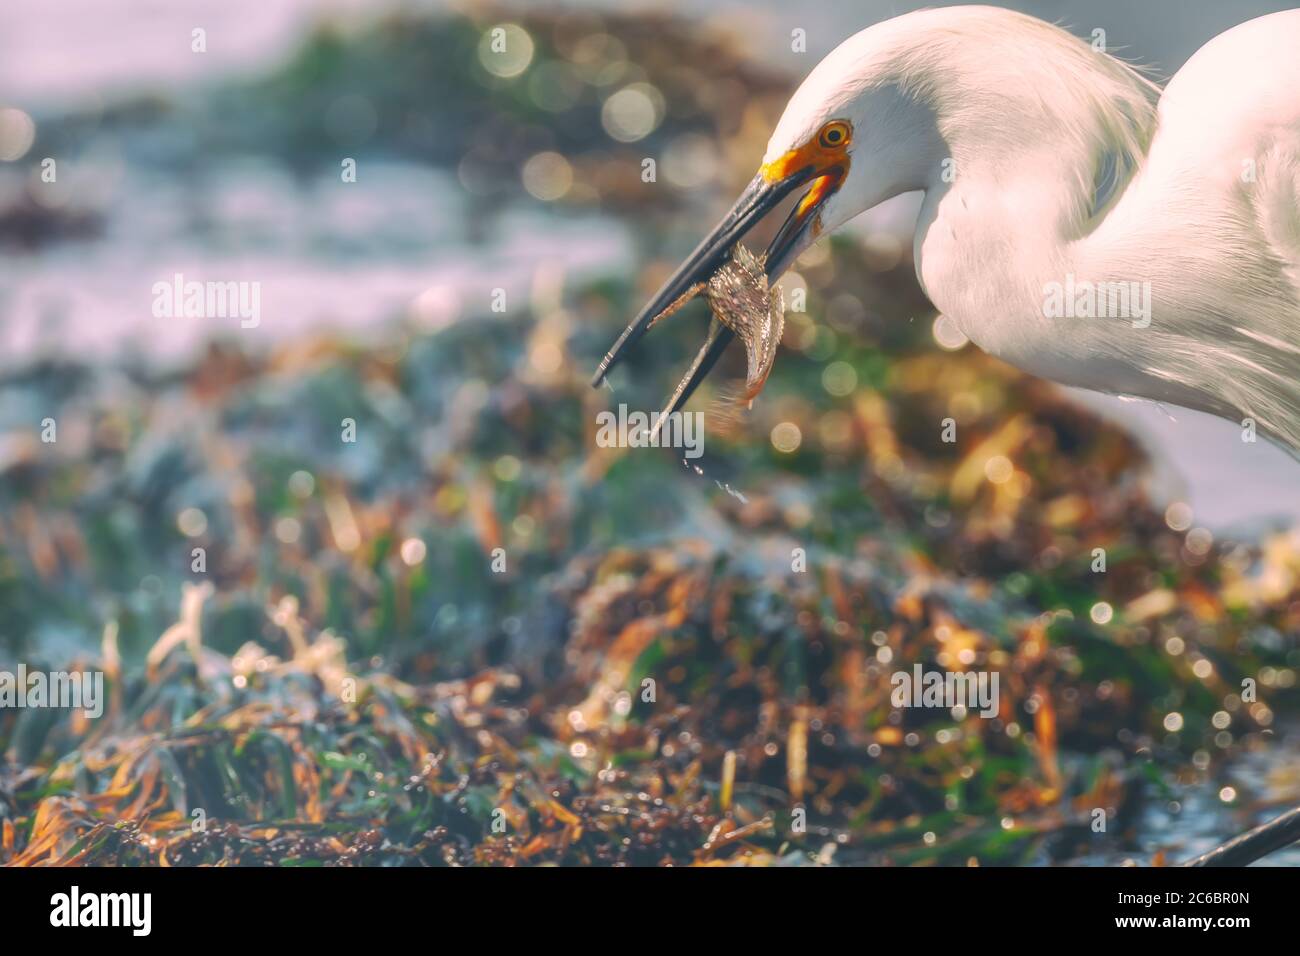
834,134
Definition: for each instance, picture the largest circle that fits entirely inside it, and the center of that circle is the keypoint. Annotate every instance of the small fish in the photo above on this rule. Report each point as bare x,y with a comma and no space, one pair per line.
739,296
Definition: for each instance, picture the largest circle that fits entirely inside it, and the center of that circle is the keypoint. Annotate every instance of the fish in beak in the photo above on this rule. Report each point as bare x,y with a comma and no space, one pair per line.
820,163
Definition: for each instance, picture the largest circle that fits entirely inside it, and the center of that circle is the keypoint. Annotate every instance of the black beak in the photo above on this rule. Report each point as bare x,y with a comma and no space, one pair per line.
759,198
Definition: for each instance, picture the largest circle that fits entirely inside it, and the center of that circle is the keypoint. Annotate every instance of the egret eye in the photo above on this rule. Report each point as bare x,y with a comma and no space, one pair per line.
833,135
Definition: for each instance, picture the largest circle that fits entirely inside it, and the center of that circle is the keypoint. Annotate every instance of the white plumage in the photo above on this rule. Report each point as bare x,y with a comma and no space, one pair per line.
1047,164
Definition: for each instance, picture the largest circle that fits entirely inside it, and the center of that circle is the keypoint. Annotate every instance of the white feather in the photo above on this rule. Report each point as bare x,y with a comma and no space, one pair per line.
1045,161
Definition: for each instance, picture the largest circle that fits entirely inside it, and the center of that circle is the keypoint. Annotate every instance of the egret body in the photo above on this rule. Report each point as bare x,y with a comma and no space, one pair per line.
1077,221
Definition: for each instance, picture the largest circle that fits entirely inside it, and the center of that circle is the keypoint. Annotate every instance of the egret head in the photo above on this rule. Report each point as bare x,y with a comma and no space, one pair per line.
824,160
857,137
849,138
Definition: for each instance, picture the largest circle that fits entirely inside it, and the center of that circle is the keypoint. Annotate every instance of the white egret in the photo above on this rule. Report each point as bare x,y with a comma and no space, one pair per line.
1077,222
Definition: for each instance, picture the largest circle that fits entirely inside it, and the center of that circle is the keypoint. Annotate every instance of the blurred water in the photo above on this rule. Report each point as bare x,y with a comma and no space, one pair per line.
1259,785
1234,487
396,245
64,52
